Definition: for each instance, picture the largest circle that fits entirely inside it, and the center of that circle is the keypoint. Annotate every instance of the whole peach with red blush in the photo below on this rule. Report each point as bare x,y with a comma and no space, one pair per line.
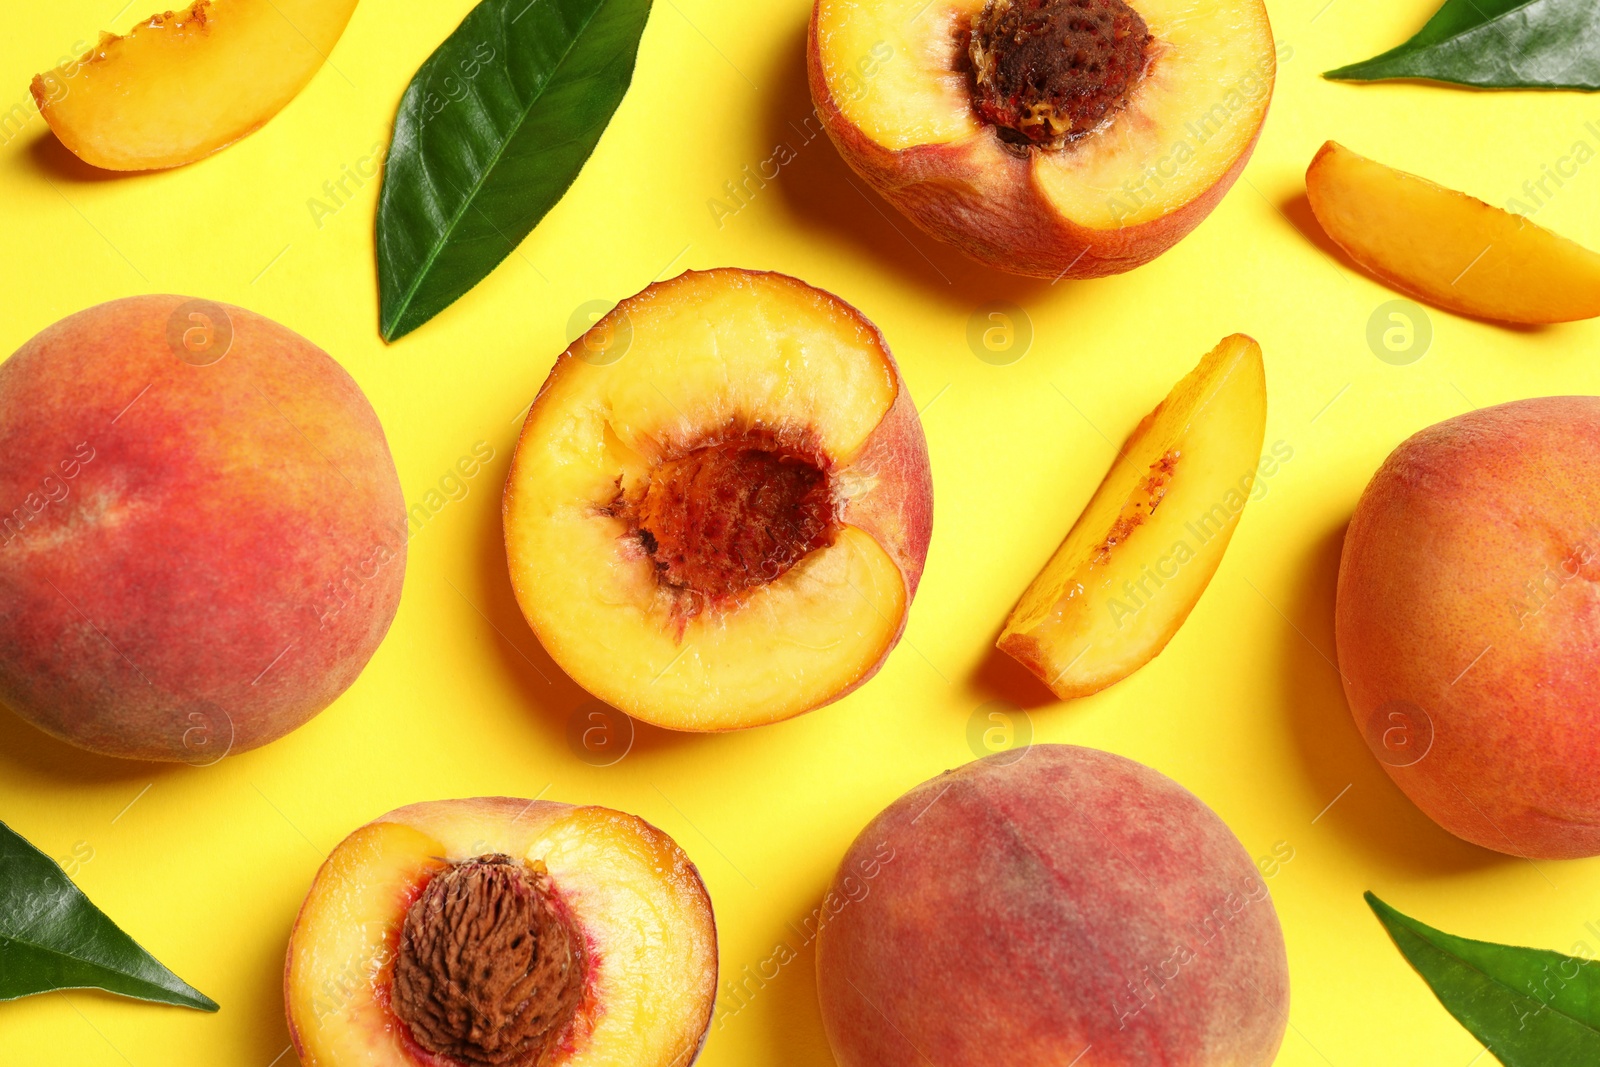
1052,904
1468,624
202,534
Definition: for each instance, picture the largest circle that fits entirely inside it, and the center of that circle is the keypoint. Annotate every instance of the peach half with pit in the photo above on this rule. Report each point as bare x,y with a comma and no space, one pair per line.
1054,138
202,534
499,932
720,504
183,84
1047,901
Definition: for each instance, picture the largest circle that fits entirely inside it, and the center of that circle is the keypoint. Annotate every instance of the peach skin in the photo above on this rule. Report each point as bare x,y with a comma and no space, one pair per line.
1468,624
1043,902
202,535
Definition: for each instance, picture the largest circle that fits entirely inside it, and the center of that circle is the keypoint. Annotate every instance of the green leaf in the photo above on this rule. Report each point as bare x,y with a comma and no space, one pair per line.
491,132
1531,1007
51,937
1497,44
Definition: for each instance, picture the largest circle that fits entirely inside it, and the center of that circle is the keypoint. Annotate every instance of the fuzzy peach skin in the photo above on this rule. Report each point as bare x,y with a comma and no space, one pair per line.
717,356
1047,901
892,86
634,897
194,559
1468,624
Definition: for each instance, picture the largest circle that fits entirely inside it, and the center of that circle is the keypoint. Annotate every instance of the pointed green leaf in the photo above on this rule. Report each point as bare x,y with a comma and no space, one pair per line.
1497,44
51,937
1531,1007
491,132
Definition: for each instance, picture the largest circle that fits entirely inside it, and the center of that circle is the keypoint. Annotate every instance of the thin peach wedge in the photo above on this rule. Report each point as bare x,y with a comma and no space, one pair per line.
184,84
503,933
1145,548
1054,138
720,504
1447,248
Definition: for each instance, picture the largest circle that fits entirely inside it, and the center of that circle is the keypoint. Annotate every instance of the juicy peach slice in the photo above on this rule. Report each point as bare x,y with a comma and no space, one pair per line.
1142,552
722,525
896,83
642,939
183,84
1448,248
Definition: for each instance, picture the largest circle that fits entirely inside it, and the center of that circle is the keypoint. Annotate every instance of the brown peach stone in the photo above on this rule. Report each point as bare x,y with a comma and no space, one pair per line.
1048,71
490,973
734,513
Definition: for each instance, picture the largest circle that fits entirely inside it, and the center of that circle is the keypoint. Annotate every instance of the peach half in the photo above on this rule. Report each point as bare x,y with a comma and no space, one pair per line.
1055,138
1448,248
503,933
1145,548
1051,905
720,504
202,534
183,84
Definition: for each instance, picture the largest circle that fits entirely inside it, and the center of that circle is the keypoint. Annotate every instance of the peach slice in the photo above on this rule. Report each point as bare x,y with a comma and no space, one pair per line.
1053,138
720,504
1448,248
183,84
470,933
1138,558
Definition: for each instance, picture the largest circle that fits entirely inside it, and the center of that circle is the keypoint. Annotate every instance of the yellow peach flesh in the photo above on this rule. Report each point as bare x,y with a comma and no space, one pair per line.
182,85
1145,548
707,351
1196,112
635,897
1448,248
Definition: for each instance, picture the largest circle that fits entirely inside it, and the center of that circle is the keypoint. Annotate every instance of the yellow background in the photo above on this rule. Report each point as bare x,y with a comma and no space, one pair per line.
206,867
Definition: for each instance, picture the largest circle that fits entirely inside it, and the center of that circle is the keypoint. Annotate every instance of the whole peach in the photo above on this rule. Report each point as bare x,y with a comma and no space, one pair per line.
1468,624
202,535
1020,911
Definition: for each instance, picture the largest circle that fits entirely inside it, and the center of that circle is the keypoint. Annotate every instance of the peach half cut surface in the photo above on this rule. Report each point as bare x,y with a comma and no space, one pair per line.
720,504
503,933
1054,138
1145,548
1447,248
183,84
